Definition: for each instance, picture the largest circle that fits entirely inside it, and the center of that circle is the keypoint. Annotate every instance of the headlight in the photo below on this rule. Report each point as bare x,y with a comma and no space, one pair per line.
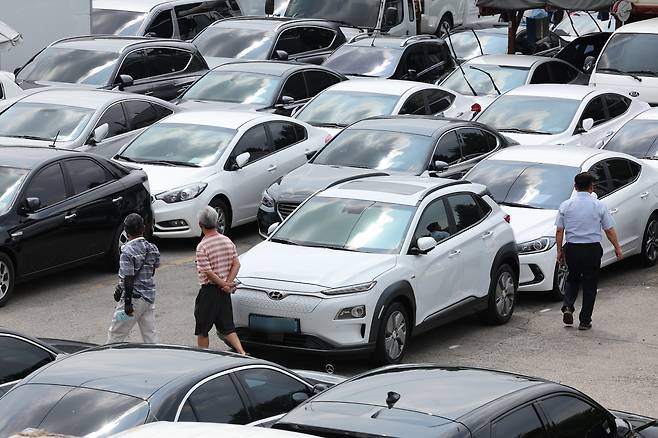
356,312
267,203
538,245
355,288
181,194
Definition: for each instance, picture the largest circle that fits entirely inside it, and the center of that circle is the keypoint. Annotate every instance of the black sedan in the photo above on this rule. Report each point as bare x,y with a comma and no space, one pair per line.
272,86
60,208
105,390
418,401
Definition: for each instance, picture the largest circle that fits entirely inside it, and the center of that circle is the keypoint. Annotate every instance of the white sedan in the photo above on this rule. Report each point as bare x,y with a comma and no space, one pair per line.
530,183
218,158
571,115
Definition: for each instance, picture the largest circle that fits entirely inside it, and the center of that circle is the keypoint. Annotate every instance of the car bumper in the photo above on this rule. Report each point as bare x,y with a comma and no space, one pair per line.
265,219
537,271
167,217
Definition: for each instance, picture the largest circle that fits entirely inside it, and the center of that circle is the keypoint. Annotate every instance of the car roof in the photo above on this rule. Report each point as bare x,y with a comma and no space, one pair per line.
549,154
109,43
508,60
138,370
264,23
391,42
419,125
85,98
165,429
650,114
220,119
564,91
275,68
642,26
128,5
394,87
30,157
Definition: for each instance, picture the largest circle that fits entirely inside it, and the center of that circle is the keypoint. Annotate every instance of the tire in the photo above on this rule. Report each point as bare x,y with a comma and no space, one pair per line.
393,336
502,295
559,281
444,27
7,278
649,254
224,219
120,238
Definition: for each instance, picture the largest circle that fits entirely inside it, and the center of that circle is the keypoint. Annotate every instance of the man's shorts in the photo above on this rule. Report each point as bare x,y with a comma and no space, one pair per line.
213,307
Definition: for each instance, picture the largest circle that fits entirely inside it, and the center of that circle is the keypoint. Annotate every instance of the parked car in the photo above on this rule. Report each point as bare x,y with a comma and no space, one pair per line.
8,88
109,389
578,23
638,137
392,144
570,115
358,267
262,38
530,183
61,208
178,19
224,159
21,354
347,102
629,62
165,429
156,67
271,86
95,120
416,401
421,58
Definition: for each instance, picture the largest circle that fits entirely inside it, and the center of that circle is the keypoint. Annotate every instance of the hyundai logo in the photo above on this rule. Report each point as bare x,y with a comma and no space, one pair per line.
275,295
633,94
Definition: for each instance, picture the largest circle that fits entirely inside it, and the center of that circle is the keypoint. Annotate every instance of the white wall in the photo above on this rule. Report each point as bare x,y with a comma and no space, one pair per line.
42,22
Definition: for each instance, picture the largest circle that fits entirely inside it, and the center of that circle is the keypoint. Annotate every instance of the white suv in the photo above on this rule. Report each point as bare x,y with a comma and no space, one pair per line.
366,263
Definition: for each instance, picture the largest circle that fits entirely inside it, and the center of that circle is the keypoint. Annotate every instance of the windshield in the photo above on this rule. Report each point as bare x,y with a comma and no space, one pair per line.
583,24
112,22
364,61
630,53
10,182
638,138
505,78
235,87
42,121
360,13
177,143
73,66
341,108
221,42
348,224
530,114
523,184
380,150
466,45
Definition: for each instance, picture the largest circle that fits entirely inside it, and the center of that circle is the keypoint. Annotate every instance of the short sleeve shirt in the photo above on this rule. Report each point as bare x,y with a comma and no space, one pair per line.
140,257
214,253
583,217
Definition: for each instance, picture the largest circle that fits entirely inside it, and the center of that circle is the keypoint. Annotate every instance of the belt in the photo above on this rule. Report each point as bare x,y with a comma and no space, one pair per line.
138,296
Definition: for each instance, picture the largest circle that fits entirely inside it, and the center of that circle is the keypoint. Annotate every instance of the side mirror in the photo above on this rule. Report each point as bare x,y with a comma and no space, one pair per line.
319,387
30,205
624,428
439,166
17,70
280,55
424,245
310,154
587,124
272,228
99,134
269,7
299,397
391,15
124,81
588,64
412,74
285,101
241,160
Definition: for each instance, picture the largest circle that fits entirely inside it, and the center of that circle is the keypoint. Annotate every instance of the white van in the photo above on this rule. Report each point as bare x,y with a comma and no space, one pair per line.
629,61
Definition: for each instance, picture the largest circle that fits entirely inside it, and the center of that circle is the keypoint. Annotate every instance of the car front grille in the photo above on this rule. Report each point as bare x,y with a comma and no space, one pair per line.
285,208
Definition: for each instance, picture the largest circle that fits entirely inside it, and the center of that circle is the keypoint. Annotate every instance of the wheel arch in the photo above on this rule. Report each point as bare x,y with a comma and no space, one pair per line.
507,254
12,258
399,291
227,201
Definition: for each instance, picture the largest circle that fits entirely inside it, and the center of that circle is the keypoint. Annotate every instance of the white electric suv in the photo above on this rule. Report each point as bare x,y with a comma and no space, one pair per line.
364,264
531,182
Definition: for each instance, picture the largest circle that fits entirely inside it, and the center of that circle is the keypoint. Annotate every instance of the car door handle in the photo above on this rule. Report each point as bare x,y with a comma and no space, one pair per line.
69,217
16,234
149,93
117,200
454,253
487,234
644,195
272,168
614,211
608,134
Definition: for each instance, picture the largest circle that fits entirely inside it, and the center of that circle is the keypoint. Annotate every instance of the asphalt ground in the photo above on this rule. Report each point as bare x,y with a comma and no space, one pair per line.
616,362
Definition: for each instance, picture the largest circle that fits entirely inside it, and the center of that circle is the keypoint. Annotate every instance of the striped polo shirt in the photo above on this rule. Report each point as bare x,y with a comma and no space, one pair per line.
214,253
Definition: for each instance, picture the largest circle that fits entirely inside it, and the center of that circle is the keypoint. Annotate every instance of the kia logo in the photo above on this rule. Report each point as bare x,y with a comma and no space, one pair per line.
275,295
633,94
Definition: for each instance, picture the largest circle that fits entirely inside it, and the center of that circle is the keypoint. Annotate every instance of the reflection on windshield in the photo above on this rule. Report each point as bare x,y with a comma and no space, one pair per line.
583,24
380,150
466,45
235,87
638,138
345,107
216,41
506,78
364,61
535,185
349,224
546,115
359,13
114,22
41,121
10,181
177,142
622,53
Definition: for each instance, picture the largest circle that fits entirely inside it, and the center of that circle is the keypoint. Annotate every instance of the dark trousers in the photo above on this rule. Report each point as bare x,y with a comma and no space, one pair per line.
584,263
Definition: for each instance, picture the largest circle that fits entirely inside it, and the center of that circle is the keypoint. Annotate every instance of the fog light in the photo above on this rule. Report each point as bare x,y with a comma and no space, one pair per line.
355,312
176,223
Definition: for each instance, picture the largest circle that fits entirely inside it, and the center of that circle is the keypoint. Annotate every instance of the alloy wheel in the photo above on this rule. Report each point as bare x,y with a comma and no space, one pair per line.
5,279
651,244
221,220
505,294
395,335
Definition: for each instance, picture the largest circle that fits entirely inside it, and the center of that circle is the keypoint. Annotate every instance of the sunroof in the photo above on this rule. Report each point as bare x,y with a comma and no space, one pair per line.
384,187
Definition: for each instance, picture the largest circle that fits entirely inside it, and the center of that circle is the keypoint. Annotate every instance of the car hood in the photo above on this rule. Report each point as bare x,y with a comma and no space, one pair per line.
533,139
26,85
529,223
216,62
321,267
164,178
192,104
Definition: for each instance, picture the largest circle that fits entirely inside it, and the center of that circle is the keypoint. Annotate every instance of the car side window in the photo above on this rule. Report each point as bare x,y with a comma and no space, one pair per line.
561,73
595,110
436,59
622,172
304,39
216,401
447,149
196,64
318,80
140,113
473,143
434,223
415,59
86,174
295,87
574,418
48,185
541,74
465,210
285,134
162,25
617,105
602,185
162,111
254,141
270,391
522,423
192,18
115,119
133,65
439,100
415,104
162,61
19,358
397,19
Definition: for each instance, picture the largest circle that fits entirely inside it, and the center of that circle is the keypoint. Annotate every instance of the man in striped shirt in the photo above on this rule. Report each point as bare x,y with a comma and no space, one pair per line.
217,266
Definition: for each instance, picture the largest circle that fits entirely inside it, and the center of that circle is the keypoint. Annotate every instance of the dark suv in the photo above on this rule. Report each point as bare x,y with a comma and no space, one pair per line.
156,67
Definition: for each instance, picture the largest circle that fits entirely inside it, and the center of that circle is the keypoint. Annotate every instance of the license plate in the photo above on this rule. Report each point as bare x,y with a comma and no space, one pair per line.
273,324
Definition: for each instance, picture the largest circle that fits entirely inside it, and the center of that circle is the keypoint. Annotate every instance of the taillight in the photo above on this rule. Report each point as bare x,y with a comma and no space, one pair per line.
327,139
476,108
507,218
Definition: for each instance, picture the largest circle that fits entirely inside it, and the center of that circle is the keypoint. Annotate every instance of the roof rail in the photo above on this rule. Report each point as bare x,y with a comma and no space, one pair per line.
355,177
411,39
431,190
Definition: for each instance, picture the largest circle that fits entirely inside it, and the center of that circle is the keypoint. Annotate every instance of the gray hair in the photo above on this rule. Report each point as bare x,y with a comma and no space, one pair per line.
134,225
208,218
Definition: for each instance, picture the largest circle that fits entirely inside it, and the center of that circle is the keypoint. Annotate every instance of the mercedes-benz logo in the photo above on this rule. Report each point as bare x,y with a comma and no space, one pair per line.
634,94
275,295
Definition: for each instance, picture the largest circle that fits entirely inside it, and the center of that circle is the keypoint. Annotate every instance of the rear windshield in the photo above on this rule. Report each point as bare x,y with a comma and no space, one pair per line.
635,53
638,138
221,42
112,22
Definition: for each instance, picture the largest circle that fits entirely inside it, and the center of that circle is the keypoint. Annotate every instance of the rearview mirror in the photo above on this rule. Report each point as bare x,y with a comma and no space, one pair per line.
587,124
280,55
99,134
588,64
125,81
272,228
425,245
269,7
242,159
30,205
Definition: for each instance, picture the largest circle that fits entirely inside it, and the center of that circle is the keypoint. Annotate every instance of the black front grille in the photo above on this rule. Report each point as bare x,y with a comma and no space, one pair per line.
285,208
288,339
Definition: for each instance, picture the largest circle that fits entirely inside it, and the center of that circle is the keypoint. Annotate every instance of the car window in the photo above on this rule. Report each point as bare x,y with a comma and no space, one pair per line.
561,73
115,119
415,59
594,110
162,61
216,401
140,113
285,134
622,172
522,423
86,174
271,392
492,140
439,100
601,185
415,104
162,111
541,74
638,138
304,39
447,150
192,18
295,87
574,418
255,142
133,66
162,25
473,143
196,64
317,81
465,210
617,105
433,223
397,19
19,358
48,186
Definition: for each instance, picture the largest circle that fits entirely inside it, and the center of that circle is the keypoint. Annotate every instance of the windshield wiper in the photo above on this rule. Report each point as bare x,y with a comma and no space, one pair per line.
493,82
29,137
643,72
524,131
329,125
515,204
627,73
285,241
169,163
124,158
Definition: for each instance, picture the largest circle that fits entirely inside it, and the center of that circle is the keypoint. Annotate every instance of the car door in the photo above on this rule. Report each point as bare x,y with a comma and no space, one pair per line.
595,109
616,106
133,65
167,71
117,126
522,422
572,417
214,400
289,149
294,88
18,358
474,145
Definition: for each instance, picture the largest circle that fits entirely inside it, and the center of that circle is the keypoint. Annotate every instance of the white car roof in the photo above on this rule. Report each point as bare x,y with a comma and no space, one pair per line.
508,60
559,155
164,429
127,5
643,26
84,98
564,91
382,86
221,119
650,114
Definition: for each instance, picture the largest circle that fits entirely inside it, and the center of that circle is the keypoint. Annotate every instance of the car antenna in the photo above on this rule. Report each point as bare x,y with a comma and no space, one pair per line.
490,77
477,38
454,58
391,399
55,139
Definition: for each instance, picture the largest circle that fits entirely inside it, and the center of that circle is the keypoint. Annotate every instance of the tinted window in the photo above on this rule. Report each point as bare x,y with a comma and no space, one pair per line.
433,223
270,391
115,119
541,75
415,104
573,418
630,52
197,63
638,138
194,17
439,100
255,142
474,143
397,4
465,210
217,401
622,172
140,114
284,134
594,110
562,73
617,105
165,61
447,150
134,66
295,87
162,111
522,423
415,59
86,174
48,186
20,358
162,25
602,184
319,80
57,64
304,39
